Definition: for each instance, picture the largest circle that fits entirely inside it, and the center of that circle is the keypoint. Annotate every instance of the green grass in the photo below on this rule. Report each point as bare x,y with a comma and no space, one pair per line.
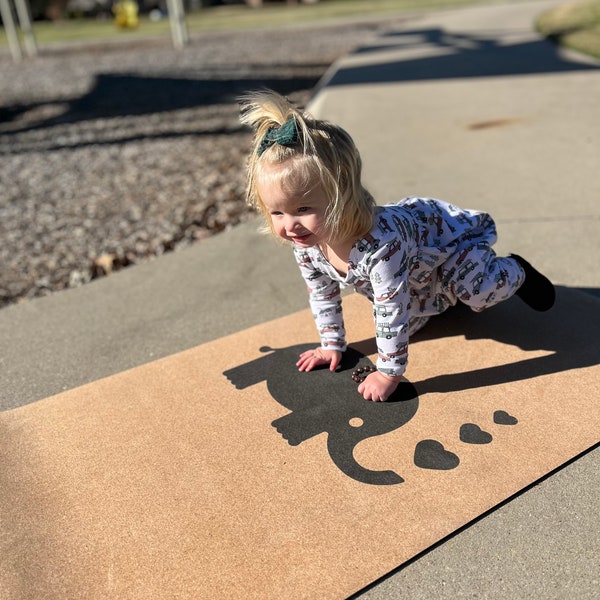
232,17
575,25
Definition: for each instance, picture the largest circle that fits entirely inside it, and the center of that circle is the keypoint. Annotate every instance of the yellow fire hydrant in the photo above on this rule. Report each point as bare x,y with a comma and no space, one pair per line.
126,14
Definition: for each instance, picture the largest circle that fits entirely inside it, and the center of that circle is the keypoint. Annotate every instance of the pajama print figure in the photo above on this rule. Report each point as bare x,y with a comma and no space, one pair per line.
420,257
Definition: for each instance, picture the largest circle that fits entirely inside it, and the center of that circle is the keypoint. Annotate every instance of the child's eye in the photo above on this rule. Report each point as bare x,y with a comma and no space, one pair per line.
276,213
304,209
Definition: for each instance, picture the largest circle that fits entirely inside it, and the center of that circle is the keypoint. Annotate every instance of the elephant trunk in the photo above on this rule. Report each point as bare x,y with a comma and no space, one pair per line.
341,451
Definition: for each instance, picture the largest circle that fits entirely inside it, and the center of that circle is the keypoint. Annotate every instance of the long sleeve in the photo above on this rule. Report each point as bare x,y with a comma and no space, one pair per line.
383,260
391,304
325,302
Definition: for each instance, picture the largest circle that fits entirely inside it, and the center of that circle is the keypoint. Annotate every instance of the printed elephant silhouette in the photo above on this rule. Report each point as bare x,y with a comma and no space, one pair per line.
322,401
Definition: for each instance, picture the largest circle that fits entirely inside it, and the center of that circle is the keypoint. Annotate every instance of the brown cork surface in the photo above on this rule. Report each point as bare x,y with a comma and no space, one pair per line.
222,472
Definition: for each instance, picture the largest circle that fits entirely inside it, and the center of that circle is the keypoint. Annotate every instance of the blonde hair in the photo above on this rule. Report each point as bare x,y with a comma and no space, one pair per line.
323,154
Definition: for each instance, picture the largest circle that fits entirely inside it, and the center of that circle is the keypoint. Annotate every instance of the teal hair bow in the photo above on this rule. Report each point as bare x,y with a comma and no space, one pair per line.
286,135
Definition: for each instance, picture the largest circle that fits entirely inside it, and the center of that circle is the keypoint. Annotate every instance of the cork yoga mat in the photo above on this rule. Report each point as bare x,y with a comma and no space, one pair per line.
222,472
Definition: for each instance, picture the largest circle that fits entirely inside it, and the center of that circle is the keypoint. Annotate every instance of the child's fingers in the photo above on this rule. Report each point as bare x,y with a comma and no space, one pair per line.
303,360
307,363
365,390
304,364
371,390
335,361
314,358
305,357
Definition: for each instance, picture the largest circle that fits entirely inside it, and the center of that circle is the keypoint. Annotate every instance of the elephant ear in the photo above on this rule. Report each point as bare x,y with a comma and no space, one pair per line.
319,400
297,390
378,418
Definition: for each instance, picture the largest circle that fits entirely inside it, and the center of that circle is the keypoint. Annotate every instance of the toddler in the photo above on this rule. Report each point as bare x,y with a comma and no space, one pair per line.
411,259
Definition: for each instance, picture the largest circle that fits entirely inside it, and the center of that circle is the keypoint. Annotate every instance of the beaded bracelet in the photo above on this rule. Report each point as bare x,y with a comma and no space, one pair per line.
357,375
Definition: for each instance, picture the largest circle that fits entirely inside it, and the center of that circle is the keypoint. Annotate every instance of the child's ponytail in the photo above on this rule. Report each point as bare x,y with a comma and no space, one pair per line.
267,113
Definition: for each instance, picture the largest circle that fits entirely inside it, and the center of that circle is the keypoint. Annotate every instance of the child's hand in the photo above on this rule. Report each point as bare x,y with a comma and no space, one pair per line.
378,387
319,356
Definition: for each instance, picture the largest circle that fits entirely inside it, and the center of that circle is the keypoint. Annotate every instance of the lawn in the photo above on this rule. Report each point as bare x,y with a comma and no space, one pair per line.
575,25
233,17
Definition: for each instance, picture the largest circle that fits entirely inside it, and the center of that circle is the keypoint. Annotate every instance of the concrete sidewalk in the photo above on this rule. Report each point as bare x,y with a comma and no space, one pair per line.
467,105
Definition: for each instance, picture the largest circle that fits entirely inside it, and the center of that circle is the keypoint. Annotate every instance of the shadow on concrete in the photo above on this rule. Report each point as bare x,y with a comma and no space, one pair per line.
450,56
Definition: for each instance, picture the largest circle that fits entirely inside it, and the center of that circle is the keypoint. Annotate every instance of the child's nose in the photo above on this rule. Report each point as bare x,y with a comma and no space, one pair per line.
291,223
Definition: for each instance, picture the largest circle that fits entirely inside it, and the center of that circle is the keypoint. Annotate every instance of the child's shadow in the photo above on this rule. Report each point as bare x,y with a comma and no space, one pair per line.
570,331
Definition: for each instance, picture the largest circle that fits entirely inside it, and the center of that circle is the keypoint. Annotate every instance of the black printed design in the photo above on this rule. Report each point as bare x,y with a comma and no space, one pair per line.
473,434
501,417
430,454
326,402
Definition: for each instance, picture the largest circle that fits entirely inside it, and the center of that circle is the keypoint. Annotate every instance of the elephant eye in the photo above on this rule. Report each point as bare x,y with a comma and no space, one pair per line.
356,422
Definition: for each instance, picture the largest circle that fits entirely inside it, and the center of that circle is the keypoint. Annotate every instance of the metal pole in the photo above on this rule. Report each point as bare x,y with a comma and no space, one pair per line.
11,30
178,25
24,15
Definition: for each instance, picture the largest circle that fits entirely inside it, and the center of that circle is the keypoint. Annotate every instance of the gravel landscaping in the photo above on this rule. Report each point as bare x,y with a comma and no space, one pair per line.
111,155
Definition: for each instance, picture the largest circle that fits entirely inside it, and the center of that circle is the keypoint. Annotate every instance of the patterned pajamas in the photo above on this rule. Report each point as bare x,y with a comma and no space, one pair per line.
420,257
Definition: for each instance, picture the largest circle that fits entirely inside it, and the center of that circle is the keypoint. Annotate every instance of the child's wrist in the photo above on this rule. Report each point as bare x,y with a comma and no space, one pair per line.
394,378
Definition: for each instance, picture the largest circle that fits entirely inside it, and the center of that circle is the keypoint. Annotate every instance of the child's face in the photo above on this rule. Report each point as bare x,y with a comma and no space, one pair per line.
298,215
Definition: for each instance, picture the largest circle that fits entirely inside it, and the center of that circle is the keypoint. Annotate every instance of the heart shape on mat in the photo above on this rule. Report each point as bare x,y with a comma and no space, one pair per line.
430,454
473,434
501,417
